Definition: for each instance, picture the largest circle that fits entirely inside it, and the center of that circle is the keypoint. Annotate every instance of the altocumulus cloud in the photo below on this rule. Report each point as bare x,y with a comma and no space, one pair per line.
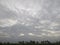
30,18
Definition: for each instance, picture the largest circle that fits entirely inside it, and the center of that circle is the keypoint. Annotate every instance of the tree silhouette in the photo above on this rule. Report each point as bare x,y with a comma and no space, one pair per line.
32,43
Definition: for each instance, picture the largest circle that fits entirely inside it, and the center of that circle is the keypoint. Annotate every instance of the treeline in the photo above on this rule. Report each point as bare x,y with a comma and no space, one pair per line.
31,43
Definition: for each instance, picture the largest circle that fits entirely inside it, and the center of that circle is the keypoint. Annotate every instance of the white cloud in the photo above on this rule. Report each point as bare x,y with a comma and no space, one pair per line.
21,34
37,26
44,21
35,35
54,24
7,22
31,34
51,33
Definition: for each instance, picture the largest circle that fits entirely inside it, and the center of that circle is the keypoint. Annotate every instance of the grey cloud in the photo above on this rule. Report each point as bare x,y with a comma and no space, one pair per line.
26,18
4,35
6,13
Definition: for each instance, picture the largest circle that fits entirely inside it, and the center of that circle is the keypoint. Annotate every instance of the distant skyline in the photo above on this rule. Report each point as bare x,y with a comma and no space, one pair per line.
29,20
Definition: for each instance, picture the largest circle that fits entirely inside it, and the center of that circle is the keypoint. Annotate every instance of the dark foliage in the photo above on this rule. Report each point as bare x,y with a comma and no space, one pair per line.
31,43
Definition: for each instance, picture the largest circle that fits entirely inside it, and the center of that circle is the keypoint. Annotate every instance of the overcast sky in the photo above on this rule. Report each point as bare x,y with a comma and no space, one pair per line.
29,20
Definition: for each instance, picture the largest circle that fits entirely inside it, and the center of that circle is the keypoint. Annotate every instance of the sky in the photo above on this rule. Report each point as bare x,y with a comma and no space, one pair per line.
29,20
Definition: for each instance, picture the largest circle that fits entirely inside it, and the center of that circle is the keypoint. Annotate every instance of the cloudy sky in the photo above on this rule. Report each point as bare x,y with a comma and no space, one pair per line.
29,20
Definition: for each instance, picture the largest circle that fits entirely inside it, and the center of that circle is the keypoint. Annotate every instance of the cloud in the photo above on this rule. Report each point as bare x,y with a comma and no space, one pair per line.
34,35
7,16
44,21
55,24
7,22
31,34
51,33
3,34
21,34
41,20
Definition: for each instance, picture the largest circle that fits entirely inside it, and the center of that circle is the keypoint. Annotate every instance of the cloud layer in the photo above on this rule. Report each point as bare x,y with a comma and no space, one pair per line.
30,18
